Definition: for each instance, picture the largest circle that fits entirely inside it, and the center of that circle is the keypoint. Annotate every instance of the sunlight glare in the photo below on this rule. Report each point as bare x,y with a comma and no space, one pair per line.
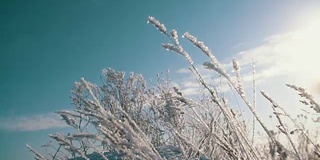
300,51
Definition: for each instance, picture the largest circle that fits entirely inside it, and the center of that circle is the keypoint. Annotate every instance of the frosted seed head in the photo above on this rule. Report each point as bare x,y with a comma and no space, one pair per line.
175,36
157,24
174,33
235,65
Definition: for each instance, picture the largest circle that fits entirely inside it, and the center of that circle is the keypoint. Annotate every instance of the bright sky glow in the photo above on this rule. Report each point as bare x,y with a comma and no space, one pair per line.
294,54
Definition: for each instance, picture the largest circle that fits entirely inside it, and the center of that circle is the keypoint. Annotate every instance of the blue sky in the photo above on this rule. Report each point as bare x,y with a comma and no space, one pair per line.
45,46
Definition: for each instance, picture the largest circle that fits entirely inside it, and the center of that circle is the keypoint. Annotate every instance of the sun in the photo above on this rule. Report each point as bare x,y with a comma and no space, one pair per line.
301,52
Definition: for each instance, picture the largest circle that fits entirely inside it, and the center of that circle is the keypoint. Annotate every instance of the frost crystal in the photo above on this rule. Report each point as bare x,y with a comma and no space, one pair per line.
236,66
178,49
205,50
157,24
197,43
171,47
209,65
175,36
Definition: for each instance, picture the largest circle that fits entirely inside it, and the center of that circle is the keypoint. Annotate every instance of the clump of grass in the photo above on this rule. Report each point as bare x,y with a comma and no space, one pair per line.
125,119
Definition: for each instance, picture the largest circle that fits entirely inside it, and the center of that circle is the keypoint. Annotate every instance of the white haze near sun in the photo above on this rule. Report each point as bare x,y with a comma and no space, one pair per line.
287,58
295,54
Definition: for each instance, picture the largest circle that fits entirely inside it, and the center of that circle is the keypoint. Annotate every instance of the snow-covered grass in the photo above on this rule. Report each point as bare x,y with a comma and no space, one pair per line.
125,119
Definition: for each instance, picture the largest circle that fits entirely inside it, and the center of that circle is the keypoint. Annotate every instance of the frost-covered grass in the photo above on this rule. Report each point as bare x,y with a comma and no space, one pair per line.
125,119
